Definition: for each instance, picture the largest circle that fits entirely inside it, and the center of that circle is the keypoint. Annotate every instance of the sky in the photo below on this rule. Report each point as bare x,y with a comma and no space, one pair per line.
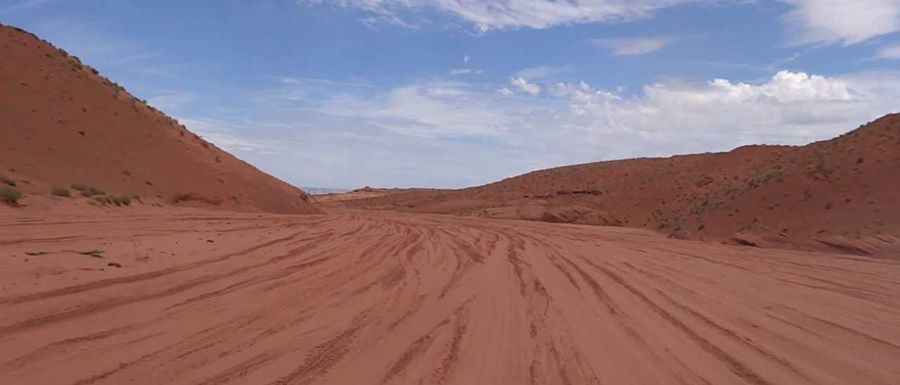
454,93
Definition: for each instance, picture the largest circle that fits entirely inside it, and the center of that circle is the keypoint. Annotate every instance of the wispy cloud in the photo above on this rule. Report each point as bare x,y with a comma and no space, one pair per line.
841,21
293,80
632,46
231,136
809,21
541,72
501,14
171,101
352,136
466,71
14,5
110,53
890,52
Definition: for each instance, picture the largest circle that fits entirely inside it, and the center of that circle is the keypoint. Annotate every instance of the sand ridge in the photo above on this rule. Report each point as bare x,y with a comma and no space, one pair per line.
65,124
835,195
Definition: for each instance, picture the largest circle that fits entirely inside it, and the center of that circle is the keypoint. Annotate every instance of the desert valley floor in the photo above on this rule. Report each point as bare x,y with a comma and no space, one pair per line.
211,297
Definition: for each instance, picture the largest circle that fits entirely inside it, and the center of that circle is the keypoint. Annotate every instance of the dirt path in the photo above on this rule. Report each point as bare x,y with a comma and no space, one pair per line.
376,298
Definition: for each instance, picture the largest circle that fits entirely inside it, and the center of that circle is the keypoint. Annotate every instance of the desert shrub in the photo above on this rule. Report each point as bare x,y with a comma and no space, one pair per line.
121,200
9,195
61,192
115,200
135,197
86,190
7,181
191,197
93,253
92,192
104,200
764,177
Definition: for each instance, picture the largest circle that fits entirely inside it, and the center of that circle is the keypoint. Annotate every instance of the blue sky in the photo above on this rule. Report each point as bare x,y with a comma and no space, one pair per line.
451,93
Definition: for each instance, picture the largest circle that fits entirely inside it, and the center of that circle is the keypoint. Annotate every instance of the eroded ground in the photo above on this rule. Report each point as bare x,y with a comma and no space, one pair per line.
195,297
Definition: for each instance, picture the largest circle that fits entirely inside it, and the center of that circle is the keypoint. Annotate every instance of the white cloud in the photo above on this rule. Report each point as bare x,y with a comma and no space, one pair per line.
465,71
841,21
889,52
14,5
427,110
541,72
227,135
525,86
809,21
790,108
632,46
500,14
453,134
785,87
171,101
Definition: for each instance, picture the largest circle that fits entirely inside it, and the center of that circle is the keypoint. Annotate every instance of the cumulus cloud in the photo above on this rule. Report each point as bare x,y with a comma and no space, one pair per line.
662,119
525,86
842,21
632,46
454,133
541,72
500,14
789,108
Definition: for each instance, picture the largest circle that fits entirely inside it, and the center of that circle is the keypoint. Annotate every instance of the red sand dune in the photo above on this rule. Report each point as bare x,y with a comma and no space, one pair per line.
64,124
837,194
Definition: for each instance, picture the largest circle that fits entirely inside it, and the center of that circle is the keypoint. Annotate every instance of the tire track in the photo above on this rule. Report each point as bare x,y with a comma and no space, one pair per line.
387,298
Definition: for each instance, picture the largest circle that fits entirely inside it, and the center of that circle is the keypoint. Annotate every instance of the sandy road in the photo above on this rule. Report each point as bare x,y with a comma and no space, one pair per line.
374,298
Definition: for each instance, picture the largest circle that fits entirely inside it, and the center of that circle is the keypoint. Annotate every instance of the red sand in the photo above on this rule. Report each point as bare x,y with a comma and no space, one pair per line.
833,195
64,124
209,297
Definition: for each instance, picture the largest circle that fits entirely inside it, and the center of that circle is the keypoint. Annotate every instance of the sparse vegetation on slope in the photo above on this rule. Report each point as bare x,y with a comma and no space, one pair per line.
7,181
814,196
9,195
61,192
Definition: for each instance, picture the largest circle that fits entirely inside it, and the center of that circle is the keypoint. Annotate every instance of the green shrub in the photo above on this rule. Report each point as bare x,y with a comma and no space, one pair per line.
9,195
61,192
